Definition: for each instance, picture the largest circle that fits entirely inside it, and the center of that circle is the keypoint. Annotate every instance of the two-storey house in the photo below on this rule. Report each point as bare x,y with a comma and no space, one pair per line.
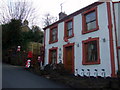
87,41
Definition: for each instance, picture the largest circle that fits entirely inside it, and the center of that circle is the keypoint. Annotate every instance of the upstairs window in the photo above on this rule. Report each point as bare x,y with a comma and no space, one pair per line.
68,28
91,51
53,35
90,21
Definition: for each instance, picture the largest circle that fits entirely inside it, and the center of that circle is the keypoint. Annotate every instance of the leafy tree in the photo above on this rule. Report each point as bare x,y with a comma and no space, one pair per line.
13,36
11,33
38,34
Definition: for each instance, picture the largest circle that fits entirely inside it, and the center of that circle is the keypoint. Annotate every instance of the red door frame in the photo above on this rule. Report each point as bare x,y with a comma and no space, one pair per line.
64,54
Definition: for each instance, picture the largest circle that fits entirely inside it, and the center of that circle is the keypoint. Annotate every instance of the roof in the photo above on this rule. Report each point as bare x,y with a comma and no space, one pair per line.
75,13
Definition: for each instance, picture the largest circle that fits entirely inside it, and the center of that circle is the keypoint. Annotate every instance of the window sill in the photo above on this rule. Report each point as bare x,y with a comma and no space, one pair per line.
91,63
92,30
118,47
50,42
66,38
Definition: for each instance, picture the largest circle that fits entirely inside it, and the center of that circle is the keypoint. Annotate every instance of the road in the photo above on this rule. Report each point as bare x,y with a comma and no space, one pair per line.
17,77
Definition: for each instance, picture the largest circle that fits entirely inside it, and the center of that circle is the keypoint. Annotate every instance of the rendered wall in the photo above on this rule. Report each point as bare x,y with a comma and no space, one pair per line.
117,16
102,33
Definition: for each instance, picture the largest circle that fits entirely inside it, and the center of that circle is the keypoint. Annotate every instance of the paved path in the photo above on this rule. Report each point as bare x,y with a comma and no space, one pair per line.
17,77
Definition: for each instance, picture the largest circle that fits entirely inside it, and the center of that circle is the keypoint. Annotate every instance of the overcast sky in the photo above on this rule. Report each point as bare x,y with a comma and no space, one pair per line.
53,7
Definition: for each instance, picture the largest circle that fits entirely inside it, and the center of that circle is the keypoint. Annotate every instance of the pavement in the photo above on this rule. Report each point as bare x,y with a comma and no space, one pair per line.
18,77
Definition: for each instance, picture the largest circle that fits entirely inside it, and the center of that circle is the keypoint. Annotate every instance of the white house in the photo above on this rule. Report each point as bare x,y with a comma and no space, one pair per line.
87,41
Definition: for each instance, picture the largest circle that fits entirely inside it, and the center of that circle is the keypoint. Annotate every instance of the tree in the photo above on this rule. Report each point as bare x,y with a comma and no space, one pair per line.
38,34
48,19
19,10
11,34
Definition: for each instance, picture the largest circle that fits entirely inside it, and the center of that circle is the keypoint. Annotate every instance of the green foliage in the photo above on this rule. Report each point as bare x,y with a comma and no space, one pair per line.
118,73
11,34
56,68
38,34
26,37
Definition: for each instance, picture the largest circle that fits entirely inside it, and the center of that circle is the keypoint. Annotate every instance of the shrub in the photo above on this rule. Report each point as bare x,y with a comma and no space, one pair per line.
56,69
61,70
118,73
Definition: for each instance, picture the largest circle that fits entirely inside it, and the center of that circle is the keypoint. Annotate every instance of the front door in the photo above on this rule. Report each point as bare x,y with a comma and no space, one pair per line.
68,58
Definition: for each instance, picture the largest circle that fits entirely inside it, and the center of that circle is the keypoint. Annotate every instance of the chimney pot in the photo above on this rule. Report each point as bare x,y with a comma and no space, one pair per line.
62,15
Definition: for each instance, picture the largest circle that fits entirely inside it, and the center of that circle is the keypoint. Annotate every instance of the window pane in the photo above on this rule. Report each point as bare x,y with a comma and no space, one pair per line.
69,25
53,38
54,34
69,28
54,31
69,32
53,57
91,25
90,17
119,54
92,51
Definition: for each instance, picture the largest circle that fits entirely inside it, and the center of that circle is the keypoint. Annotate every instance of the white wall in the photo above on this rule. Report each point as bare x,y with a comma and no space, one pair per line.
103,32
117,16
114,41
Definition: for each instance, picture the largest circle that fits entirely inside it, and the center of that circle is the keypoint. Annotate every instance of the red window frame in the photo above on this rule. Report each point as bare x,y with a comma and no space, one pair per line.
50,35
84,30
118,47
84,62
50,51
65,29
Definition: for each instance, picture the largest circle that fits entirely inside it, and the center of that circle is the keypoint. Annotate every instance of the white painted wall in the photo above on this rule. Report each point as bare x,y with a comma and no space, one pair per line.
117,17
103,32
114,40
117,14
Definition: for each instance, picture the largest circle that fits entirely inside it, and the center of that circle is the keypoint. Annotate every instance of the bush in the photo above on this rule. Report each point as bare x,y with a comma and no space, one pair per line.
118,73
14,58
61,70
56,69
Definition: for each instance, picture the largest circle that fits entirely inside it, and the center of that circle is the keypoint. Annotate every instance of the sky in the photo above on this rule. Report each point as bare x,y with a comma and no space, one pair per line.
53,7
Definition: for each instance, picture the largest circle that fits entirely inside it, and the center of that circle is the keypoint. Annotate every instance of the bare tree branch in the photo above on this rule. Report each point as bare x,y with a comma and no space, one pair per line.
21,10
48,19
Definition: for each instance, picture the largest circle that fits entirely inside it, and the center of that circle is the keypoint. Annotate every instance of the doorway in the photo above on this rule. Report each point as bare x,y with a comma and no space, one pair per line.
69,57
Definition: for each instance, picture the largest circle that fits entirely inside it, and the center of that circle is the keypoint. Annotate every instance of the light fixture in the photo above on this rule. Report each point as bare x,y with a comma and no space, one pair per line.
59,49
78,45
104,40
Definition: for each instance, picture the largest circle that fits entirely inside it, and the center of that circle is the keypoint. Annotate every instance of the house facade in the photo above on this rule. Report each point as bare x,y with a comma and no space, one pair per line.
87,41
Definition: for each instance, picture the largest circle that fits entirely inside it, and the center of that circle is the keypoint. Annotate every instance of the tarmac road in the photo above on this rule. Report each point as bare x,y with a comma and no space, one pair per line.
17,77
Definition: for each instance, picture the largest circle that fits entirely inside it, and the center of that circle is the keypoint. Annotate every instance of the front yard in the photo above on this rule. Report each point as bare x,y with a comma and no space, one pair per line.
62,76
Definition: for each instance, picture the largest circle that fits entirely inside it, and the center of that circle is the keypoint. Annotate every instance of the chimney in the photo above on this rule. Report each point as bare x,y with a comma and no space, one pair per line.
62,15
